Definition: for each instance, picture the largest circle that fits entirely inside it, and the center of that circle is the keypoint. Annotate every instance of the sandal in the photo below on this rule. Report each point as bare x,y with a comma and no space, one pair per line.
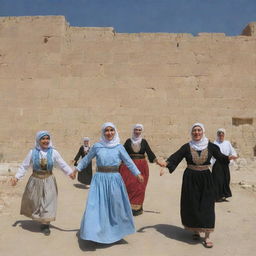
207,244
45,229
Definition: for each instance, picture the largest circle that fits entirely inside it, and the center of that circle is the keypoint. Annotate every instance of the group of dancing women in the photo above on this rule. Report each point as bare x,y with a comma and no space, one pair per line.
117,189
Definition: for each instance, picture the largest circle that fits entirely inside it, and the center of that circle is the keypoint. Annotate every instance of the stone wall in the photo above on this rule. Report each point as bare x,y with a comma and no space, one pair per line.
70,80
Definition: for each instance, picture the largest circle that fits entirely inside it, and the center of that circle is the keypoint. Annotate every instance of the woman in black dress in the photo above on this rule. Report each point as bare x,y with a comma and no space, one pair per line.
220,171
85,176
197,194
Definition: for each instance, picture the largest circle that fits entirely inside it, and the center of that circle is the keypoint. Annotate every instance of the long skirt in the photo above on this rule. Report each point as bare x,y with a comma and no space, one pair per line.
108,215
197,201
135,189
39,201
85,176
221,180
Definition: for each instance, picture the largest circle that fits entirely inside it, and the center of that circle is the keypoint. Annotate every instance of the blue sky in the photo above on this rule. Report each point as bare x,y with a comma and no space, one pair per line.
133,16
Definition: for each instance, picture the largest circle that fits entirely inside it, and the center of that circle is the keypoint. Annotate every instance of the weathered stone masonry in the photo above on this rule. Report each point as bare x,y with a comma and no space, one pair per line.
70,80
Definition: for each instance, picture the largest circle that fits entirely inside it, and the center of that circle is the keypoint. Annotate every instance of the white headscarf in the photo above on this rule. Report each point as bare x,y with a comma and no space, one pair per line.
40,135
201,144
134,139
218,131
109,143
86,147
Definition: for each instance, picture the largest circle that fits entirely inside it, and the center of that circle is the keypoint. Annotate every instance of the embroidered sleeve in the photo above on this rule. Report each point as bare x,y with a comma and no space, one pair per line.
78,155
150,154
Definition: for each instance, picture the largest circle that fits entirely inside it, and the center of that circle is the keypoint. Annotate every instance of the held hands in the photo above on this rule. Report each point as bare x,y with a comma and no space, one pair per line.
232,157
140,178
73,174
14,181
161,163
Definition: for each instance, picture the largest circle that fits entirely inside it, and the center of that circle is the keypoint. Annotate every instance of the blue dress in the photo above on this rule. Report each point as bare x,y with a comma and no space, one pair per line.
108,215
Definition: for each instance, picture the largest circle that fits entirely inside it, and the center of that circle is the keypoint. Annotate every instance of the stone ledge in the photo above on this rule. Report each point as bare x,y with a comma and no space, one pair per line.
211,34
93,29
32,18
249,30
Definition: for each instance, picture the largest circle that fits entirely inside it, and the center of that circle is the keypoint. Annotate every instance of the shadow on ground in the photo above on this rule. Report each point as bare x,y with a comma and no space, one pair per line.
34,226
85,245
172,232
81,186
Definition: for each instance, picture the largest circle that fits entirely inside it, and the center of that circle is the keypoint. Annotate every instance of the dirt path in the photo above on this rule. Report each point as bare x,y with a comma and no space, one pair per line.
159,228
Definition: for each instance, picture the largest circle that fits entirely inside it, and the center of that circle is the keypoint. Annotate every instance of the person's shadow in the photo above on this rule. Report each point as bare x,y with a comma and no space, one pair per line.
81,186
172,232
34,226
85,245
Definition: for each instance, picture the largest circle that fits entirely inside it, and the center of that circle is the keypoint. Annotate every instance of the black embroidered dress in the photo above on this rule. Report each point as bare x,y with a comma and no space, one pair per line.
85,176
197,195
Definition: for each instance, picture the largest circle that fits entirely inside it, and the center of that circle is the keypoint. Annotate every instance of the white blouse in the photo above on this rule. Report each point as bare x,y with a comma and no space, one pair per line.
56,157
225,148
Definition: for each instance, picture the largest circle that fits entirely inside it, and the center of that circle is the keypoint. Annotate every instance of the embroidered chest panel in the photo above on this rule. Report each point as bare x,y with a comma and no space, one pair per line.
199,159
43,163
136,147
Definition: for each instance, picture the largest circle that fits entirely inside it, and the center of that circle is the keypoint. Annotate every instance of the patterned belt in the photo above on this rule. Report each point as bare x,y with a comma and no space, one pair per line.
41,174
198,167
137,156
107,168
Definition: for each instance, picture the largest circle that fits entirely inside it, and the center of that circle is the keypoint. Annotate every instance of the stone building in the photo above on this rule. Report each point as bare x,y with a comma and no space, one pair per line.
69,80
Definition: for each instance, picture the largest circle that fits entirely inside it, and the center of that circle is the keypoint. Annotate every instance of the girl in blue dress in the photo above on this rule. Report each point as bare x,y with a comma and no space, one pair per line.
108,215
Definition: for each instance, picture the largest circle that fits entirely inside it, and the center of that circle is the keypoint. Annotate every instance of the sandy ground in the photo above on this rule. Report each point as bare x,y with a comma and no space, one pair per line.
159,230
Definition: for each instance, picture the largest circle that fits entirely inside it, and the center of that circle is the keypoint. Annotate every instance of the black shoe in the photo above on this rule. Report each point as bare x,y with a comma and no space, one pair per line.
45,229
137,212
222,199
